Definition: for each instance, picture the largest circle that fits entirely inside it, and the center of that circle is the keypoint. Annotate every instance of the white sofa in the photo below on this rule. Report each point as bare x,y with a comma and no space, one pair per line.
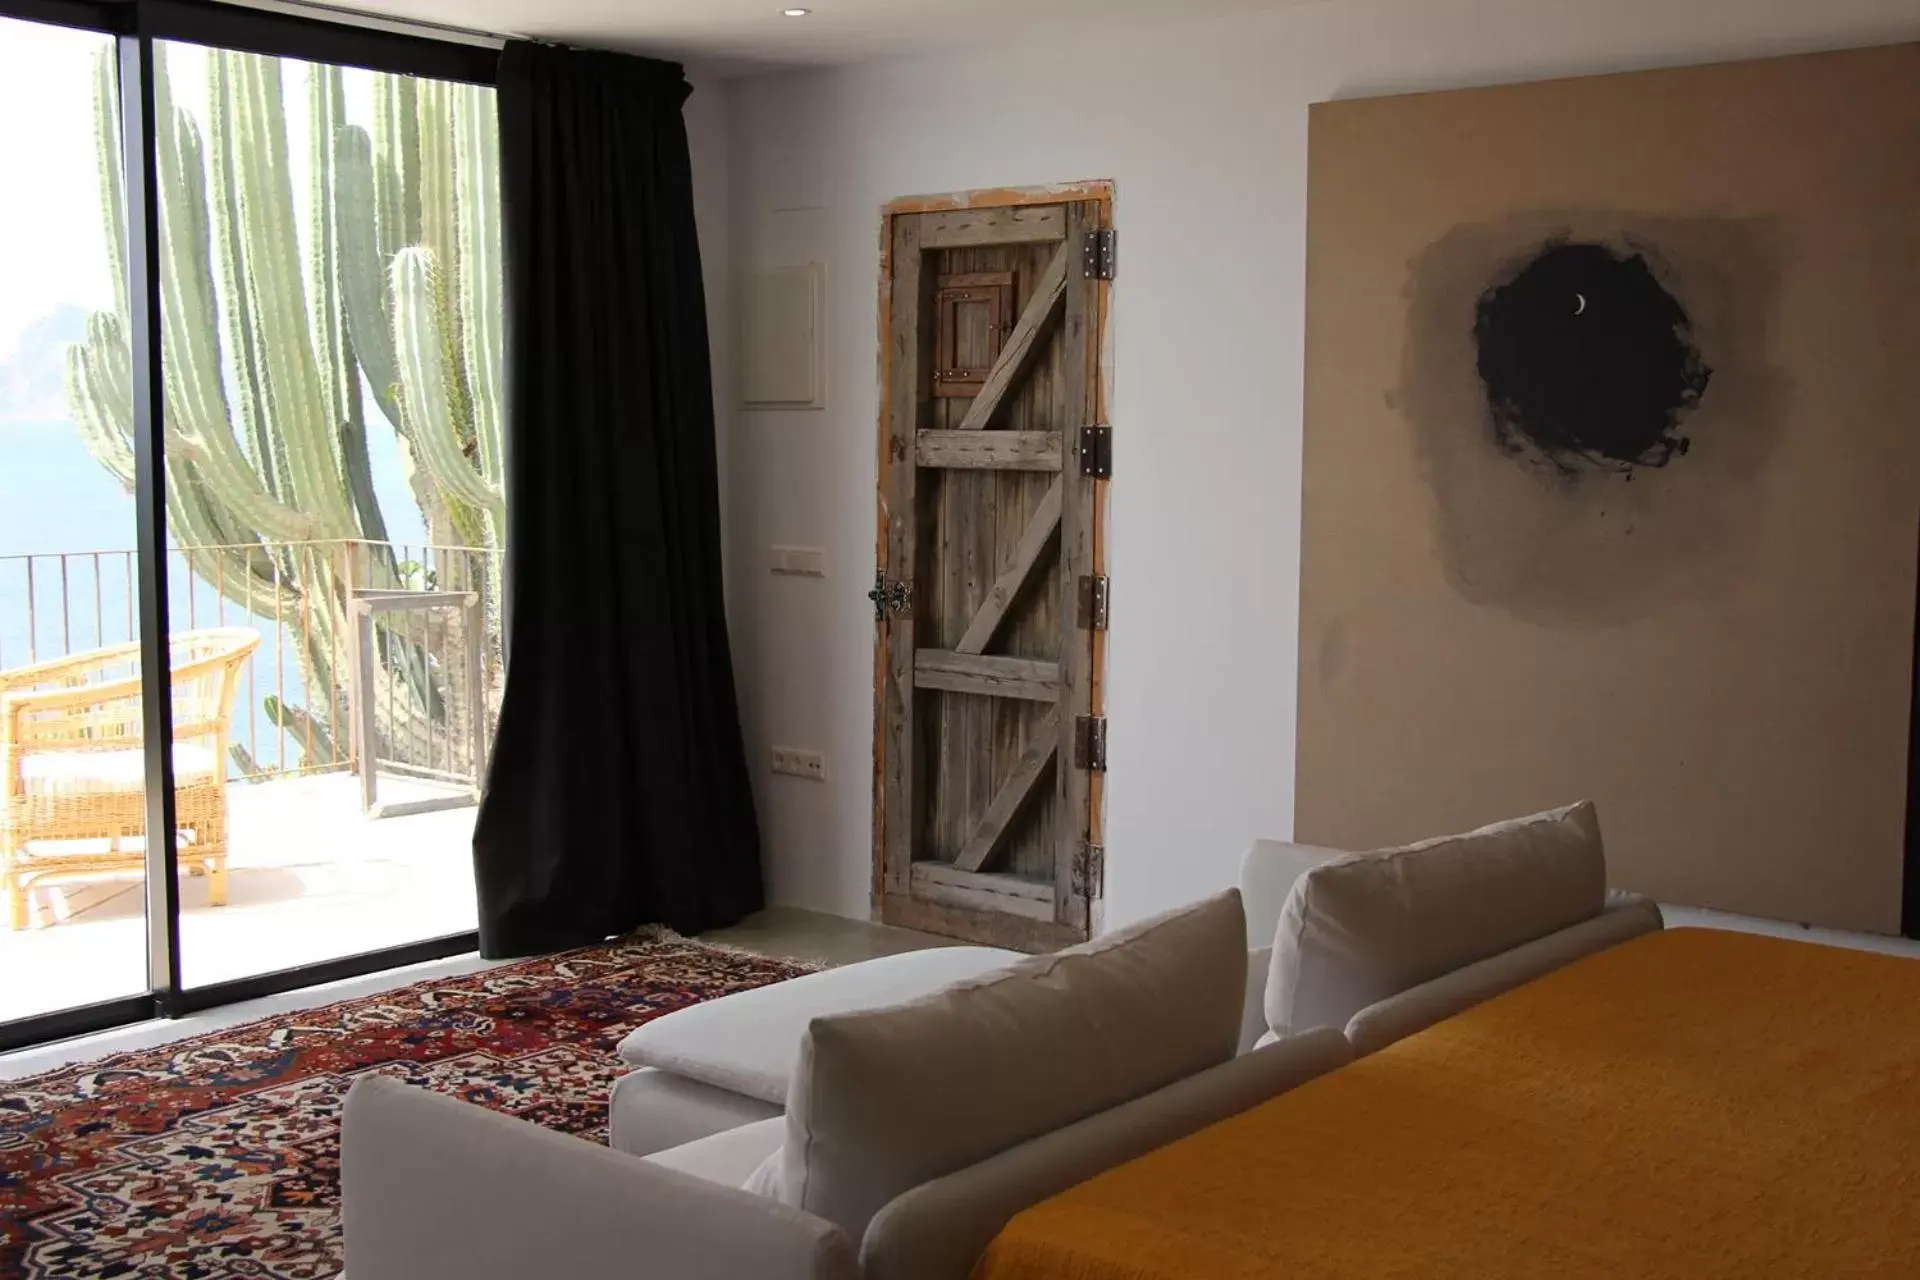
915,1131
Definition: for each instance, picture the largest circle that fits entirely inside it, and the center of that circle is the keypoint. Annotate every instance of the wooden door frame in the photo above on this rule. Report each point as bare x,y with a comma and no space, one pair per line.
1026,934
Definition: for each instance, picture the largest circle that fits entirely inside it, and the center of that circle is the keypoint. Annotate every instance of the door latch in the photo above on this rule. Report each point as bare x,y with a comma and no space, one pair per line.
890,597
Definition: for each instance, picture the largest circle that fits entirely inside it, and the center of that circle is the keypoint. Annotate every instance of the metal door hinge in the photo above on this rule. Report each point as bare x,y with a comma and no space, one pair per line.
1090,872
890,597
1093,602
1090,743
1097,253
1096,451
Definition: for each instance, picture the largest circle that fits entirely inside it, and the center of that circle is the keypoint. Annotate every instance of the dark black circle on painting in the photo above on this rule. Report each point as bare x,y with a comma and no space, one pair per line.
1589,359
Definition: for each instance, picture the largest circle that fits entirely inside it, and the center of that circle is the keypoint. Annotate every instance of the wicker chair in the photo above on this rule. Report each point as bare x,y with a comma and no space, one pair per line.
74,773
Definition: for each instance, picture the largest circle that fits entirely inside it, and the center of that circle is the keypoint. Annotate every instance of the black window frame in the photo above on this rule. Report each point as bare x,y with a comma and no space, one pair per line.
137,25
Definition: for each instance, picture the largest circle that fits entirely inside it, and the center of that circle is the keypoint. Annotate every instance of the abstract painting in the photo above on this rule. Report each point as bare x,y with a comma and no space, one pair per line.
1612,472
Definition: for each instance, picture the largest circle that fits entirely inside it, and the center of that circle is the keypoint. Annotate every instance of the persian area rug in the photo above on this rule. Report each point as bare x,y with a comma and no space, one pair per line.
217,1157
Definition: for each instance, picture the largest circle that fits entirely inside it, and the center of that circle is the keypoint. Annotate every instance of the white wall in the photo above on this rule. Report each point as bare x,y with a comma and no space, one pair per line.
1203,127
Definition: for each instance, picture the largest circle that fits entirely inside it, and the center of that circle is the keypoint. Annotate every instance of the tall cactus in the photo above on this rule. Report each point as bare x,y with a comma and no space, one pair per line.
427,326
263,346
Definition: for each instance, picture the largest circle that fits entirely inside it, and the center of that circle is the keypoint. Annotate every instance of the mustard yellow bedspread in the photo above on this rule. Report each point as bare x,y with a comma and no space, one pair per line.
1689,1104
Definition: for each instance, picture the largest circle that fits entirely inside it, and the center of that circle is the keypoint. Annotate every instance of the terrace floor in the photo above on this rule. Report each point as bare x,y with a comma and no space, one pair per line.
310,878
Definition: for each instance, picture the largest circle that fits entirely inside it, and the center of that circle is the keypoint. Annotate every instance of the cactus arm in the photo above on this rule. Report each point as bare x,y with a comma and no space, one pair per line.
440,235
326,93
417,342
363,276
199,418
477,171
190,351
436,173
408,228
273,277
389,236
99,396
396,153
339,377
249,365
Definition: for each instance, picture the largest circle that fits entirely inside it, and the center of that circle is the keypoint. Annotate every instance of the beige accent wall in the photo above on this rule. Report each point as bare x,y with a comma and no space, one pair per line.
1719,651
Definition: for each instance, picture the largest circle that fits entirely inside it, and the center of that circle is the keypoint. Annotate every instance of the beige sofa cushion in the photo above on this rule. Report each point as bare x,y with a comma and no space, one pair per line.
884,1100
1367,926
747,1042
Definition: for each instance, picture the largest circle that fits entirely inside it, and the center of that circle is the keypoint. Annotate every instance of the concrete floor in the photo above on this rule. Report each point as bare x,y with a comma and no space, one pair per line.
789,933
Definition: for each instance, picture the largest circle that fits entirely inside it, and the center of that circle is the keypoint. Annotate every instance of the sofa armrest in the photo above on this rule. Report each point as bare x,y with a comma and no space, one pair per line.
938,1230
1417,1008
1267,875
435,1189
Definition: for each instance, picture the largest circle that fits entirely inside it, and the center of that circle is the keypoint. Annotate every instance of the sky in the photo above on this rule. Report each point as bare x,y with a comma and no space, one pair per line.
52,243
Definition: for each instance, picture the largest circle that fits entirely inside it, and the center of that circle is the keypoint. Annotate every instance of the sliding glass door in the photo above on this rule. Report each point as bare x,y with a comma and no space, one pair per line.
72,775
330,323
260,300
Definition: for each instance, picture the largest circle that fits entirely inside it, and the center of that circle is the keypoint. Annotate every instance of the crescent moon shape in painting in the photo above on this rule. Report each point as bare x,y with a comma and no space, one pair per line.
1579,304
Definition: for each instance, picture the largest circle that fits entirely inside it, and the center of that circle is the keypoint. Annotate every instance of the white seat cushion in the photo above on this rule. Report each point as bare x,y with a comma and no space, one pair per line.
1364,927
102,772
653,1110
748,1042
885,1100
728,1158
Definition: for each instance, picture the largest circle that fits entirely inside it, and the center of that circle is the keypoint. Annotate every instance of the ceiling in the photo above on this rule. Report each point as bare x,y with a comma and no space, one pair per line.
743,35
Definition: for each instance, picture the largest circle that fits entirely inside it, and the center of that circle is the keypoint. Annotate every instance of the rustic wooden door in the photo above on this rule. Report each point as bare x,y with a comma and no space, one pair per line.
990,597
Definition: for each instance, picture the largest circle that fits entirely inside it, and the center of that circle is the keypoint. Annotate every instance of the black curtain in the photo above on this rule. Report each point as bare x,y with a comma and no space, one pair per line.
617,794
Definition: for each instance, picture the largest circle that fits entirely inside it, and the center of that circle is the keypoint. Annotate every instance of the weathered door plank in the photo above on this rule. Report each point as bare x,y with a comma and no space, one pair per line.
1007,224
1074,390
983,891
1012,796
990,450
1030,679
907,395
1038,536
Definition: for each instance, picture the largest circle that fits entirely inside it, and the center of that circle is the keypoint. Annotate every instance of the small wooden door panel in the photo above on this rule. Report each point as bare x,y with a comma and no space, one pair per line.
984,805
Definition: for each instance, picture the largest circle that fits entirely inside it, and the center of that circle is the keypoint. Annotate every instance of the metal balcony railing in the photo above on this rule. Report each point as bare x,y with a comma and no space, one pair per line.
304,703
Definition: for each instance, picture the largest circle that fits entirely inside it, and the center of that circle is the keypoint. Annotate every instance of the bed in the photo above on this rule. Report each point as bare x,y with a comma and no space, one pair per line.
1690,1103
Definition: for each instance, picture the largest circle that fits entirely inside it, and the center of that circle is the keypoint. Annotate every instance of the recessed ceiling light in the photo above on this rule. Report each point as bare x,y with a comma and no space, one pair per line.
795,13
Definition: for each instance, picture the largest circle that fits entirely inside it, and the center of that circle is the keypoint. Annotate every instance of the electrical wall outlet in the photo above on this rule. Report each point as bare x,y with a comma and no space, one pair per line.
800,763
803,562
